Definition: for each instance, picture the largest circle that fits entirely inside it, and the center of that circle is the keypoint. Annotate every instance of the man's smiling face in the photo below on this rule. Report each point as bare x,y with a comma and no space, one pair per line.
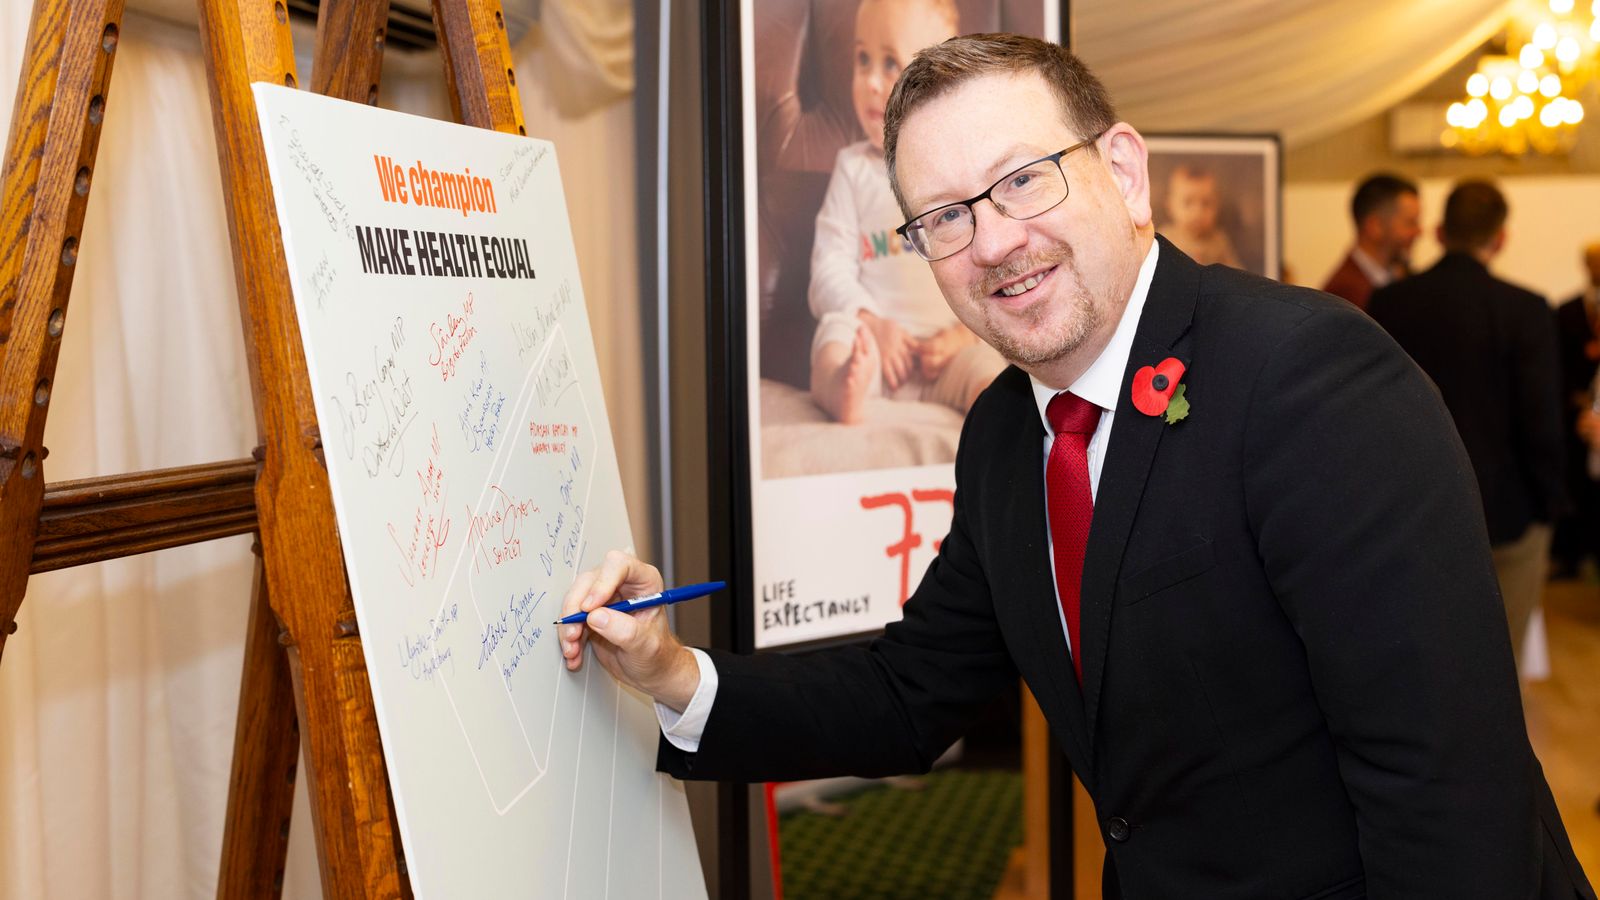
1046,292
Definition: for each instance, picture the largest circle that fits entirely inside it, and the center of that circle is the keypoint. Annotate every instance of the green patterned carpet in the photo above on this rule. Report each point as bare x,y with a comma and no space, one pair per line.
948,841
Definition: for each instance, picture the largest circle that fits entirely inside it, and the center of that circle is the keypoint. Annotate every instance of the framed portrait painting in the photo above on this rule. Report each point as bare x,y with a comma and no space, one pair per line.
1218,198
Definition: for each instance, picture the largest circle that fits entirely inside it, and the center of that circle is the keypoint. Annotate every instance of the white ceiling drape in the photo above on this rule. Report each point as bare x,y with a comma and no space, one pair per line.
590,49
1299,68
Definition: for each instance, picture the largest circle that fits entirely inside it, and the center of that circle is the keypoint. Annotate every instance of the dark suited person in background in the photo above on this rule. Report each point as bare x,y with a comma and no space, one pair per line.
1490,346
1578,332
1388,218
1222,527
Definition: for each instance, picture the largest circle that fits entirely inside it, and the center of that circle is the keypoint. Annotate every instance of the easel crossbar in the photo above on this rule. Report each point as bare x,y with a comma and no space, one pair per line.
96,519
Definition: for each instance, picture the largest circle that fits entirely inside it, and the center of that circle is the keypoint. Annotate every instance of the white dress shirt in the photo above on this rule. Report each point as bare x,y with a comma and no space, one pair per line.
1379,274
1099,384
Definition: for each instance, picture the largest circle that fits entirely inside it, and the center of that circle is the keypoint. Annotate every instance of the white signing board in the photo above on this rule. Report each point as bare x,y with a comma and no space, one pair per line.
473,476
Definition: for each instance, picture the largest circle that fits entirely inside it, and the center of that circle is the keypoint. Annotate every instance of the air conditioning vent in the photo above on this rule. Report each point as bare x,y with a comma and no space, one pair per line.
410,21
409,28
1415,127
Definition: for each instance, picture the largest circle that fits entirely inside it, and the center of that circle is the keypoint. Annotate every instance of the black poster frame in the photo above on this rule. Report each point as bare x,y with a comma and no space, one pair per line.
727,418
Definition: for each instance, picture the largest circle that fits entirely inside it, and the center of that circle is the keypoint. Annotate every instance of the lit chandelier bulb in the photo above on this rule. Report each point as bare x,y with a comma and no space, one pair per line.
1530,57
1567,50
1528,82
1550,116
1500,87
1478,83
1550,85
1544,37
1561,7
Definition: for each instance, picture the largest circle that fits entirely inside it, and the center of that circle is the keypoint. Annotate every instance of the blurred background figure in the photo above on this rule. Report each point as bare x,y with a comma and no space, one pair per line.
1578,328
1388,218
1490,347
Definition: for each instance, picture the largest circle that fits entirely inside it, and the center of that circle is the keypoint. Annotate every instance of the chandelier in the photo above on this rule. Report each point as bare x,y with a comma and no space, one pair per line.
1528,99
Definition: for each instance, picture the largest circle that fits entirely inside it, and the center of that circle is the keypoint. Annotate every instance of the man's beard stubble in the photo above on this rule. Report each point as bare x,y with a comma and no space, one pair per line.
1070,333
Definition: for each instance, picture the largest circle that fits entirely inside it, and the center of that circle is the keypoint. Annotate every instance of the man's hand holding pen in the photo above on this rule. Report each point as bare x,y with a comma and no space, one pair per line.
638,649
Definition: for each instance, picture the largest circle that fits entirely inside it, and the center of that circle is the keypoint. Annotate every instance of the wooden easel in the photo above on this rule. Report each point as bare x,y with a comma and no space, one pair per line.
305,682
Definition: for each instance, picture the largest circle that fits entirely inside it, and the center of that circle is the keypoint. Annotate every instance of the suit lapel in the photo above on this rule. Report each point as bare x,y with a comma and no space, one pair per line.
1168,312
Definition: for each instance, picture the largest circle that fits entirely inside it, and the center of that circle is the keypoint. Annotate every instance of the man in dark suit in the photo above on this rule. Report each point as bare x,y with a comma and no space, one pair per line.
1490,346
1578,334
1388,218
1265,632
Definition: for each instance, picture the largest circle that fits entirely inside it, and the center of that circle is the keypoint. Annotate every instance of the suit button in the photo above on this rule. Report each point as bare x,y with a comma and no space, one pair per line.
1117,829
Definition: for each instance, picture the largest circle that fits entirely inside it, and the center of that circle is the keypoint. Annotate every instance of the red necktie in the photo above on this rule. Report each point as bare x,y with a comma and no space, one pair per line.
1071,504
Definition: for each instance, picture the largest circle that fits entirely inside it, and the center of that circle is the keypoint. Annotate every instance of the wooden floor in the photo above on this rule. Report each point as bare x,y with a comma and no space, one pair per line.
1564,713
1563,722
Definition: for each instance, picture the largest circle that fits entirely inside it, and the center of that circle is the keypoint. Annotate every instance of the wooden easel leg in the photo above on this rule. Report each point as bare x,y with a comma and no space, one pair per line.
247,41
348,768
19,518
266,747
44,190
477,64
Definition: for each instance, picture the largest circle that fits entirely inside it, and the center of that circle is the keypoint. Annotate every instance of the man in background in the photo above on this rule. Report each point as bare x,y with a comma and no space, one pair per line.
1578,331
1388,217
1490,346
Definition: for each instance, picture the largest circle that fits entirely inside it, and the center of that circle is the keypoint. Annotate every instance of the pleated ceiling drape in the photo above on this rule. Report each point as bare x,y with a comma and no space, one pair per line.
1301,68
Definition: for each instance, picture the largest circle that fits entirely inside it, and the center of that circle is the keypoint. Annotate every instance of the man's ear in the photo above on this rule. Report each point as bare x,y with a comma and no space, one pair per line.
1129,159
1370,228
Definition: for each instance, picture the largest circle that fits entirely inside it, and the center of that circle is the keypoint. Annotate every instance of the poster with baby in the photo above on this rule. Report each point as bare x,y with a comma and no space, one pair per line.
860,375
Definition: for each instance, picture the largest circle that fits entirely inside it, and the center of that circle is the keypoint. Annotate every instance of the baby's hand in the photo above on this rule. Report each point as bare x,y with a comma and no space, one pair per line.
934,353
895,348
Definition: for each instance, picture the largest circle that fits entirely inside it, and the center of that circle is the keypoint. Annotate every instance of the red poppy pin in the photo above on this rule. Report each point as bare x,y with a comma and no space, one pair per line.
1157,390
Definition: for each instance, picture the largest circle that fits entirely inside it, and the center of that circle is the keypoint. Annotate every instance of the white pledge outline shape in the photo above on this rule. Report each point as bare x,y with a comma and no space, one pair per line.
521,411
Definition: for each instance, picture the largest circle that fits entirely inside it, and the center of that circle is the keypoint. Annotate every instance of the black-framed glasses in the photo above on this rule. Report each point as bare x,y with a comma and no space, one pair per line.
1031,190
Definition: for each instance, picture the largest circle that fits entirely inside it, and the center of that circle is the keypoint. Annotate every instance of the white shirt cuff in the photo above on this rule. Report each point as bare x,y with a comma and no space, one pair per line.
683,730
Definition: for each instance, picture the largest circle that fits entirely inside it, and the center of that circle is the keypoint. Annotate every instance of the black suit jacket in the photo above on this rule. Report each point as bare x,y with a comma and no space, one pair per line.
1490,346
1297,676
1573,335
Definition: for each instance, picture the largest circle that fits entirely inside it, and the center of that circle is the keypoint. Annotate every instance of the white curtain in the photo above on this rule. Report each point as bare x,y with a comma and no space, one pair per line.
1301,68
118,694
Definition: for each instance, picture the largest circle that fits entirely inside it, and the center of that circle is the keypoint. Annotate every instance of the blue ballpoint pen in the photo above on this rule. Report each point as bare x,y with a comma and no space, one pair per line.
670,595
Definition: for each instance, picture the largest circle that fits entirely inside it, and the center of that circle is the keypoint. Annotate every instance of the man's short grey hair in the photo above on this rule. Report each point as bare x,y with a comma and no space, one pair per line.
1085,104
